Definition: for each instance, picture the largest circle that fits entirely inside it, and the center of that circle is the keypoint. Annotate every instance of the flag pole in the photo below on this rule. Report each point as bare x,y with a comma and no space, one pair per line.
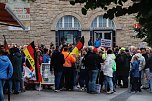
9,98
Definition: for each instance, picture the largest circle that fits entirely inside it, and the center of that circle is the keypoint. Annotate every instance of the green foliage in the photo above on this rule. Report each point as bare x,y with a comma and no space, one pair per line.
143,9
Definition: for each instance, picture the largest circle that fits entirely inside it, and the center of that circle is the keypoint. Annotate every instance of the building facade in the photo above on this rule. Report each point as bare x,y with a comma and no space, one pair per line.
56,21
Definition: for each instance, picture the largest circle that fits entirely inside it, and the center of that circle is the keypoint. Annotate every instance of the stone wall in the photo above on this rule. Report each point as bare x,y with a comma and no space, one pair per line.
45,15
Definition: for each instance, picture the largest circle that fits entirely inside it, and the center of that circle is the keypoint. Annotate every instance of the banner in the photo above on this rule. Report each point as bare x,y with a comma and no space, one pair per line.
28,73
106,43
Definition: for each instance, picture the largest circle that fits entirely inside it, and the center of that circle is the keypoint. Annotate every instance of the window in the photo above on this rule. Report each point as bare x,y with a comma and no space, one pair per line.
68,22
102,23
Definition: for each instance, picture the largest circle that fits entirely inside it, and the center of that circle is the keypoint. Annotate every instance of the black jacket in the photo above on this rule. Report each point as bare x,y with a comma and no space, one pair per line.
149,63
16,60
57,61
92,61
123,64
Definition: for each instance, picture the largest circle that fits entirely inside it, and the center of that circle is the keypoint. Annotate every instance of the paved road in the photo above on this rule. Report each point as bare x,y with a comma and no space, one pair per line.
46,95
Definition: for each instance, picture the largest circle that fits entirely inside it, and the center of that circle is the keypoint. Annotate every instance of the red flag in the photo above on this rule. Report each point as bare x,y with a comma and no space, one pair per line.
78,47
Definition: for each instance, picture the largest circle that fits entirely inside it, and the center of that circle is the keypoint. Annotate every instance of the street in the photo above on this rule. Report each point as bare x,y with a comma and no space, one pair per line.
48,95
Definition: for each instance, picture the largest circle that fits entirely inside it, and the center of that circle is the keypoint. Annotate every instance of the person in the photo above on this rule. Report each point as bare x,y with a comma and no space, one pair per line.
90,42
149,63
123,67
83,72
39,62
135,75
141,66
92,63
68,70
6,70
45,57
145,83
108,71
97,43
101,75
23,62
16,60
57,62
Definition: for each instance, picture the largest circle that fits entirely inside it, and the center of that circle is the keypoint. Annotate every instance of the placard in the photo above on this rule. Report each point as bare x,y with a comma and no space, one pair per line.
47,77
106,43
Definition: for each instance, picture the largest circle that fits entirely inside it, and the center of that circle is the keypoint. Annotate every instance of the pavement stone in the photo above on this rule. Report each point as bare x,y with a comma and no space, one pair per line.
49,95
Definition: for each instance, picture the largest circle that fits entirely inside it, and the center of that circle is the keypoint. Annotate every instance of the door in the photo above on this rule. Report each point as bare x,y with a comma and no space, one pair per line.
103,35
67,36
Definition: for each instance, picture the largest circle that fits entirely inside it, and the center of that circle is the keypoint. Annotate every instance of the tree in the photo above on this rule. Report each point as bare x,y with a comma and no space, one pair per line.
142,9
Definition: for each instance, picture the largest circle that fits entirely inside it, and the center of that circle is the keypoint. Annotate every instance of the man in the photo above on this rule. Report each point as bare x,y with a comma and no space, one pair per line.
92,62
123,67
68,70
16,60
150,68
6,70
97,43
145,83
57,62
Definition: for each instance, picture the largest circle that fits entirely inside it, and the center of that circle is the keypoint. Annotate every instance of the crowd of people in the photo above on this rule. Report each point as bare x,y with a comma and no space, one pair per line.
96,69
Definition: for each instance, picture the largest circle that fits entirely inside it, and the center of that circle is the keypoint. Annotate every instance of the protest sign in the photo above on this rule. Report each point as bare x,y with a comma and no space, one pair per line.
47,76
106,43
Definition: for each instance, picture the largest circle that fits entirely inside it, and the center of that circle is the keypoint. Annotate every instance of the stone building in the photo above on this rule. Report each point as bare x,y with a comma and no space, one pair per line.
57,20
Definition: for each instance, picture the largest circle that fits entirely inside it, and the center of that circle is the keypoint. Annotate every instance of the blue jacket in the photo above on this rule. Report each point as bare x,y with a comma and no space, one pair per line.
46,58
97,43
135,69
6,68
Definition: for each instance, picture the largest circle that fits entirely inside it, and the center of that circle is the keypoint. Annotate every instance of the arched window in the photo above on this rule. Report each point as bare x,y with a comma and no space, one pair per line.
68,23
104,29
68,30
102,23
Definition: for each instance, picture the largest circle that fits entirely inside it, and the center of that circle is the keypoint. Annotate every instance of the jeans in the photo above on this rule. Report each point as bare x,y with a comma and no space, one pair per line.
108,82
92,80
57,80
1,90
150,81
16,85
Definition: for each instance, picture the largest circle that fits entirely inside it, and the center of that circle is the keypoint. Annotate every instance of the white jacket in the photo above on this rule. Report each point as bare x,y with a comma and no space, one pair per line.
107,69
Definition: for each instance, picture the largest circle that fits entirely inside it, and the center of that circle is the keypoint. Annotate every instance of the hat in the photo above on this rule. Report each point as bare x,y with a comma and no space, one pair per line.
95,50
123,49
139,55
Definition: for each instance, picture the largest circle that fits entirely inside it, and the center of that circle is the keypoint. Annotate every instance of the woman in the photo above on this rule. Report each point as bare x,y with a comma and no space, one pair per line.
108,71
6,70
